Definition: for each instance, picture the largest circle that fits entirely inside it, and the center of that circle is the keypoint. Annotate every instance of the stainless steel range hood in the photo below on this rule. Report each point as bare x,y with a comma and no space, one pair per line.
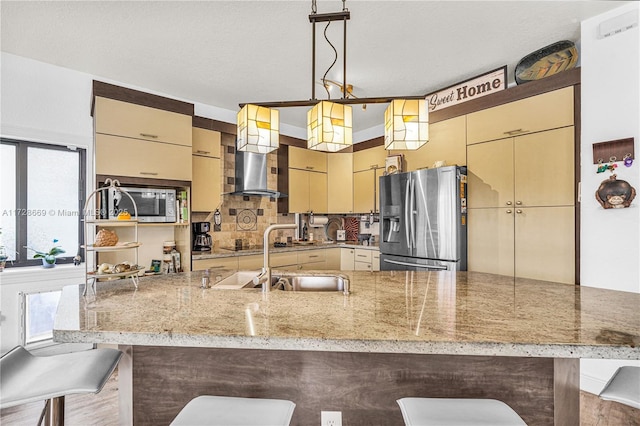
251,176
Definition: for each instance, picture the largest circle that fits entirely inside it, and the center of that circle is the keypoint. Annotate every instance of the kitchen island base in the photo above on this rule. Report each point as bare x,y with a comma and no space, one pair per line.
156,382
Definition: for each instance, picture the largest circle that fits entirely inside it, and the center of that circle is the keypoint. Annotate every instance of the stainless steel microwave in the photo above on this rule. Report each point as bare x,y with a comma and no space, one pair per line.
154,204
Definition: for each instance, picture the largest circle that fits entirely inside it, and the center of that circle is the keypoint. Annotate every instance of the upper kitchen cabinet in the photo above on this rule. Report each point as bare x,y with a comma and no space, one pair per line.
371,158
368,166
529,170
117,156
549,110
139,122
205,142
340,182
142,142
307,174
447,142
206,185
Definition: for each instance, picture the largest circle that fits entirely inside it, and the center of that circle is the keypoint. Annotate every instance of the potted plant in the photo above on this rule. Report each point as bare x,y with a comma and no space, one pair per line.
48,258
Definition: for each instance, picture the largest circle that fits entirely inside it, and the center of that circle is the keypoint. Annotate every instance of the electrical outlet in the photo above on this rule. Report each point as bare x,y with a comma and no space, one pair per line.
331,418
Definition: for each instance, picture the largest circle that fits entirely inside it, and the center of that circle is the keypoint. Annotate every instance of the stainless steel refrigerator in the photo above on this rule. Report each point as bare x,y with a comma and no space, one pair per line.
423,217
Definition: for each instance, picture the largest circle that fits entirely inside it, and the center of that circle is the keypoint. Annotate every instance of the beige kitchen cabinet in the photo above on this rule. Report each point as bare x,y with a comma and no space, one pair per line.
206,185
529,170
366,190
206,142
128,120
312,259
226,263
521,206
307,159
447,142
347,259
333,258
119,156
362,260
307,191
340,183
491,243
375,260
371,158
549,110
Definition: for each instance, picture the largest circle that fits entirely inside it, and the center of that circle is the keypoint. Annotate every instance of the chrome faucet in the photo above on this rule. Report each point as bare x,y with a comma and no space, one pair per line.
265,275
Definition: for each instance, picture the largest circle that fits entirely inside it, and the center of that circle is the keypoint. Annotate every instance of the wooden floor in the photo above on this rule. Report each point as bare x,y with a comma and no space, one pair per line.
102,410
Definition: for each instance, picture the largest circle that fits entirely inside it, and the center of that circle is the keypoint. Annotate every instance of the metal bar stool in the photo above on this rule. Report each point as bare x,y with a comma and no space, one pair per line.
231,411
458,412
26,378
623,387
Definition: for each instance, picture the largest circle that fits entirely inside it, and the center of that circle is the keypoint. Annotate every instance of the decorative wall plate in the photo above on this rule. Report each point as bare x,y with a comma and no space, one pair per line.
615,194
246,220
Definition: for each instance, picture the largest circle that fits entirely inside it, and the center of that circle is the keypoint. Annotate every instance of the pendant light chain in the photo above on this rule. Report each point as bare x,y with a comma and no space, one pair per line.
314,6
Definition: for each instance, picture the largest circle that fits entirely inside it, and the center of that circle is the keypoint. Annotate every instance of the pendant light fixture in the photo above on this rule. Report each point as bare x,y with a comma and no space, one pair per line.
329,127
329,122
258,129
406,124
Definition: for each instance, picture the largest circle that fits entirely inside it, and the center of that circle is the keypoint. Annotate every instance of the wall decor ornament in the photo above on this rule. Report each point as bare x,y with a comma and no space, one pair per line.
615,194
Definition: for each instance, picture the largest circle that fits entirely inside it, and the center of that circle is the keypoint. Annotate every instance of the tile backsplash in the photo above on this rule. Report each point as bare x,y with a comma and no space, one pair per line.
244,217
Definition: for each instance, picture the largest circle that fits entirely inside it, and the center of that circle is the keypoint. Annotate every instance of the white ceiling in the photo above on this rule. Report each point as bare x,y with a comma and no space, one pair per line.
223,53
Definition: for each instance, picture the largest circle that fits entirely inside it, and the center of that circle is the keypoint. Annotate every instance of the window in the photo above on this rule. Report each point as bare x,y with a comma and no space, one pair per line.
41,198
38,313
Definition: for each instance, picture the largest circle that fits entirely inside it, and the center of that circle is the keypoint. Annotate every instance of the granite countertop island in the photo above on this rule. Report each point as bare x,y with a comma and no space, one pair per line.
421,332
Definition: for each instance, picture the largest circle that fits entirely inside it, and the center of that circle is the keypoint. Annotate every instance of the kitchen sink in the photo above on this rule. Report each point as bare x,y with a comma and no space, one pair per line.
315,282
286,282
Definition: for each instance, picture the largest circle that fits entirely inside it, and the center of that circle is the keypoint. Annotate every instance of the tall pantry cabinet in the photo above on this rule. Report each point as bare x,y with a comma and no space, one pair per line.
521,202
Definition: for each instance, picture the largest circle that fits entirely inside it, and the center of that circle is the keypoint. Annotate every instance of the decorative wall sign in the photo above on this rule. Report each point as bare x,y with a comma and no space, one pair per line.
615,194
474,88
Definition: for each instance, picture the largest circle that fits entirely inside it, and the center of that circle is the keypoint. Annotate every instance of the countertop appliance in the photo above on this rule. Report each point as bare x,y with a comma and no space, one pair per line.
154,204
201,239
424,220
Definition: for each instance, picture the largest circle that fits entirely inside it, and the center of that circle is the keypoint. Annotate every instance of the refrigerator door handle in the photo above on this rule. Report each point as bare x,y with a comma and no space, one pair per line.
407,212
395,262
413,214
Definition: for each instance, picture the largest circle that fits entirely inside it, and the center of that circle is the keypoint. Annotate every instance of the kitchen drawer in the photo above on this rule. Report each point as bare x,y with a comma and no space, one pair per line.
118,156
549,110
230,263
250,262
311,256
278,260
307,159
205,142
362,266
135,121
363,255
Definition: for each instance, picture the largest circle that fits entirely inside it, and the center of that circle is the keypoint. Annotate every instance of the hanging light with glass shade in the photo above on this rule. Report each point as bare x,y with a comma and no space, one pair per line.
406,124
329,127
258,129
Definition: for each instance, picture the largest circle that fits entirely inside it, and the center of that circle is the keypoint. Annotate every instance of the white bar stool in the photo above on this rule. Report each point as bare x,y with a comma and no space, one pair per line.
623,387
209,410
26,378
458,412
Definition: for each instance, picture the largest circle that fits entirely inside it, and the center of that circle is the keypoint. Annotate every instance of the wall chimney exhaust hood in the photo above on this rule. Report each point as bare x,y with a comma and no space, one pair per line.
251,176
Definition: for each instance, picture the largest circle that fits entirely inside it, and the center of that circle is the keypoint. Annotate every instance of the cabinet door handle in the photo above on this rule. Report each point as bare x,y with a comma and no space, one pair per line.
518,211
312,256
309,167
509,211
509,203
203,152
148,135
518,203
515,132
149,173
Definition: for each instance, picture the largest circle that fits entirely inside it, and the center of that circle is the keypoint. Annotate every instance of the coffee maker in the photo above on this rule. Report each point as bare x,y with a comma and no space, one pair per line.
201,239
